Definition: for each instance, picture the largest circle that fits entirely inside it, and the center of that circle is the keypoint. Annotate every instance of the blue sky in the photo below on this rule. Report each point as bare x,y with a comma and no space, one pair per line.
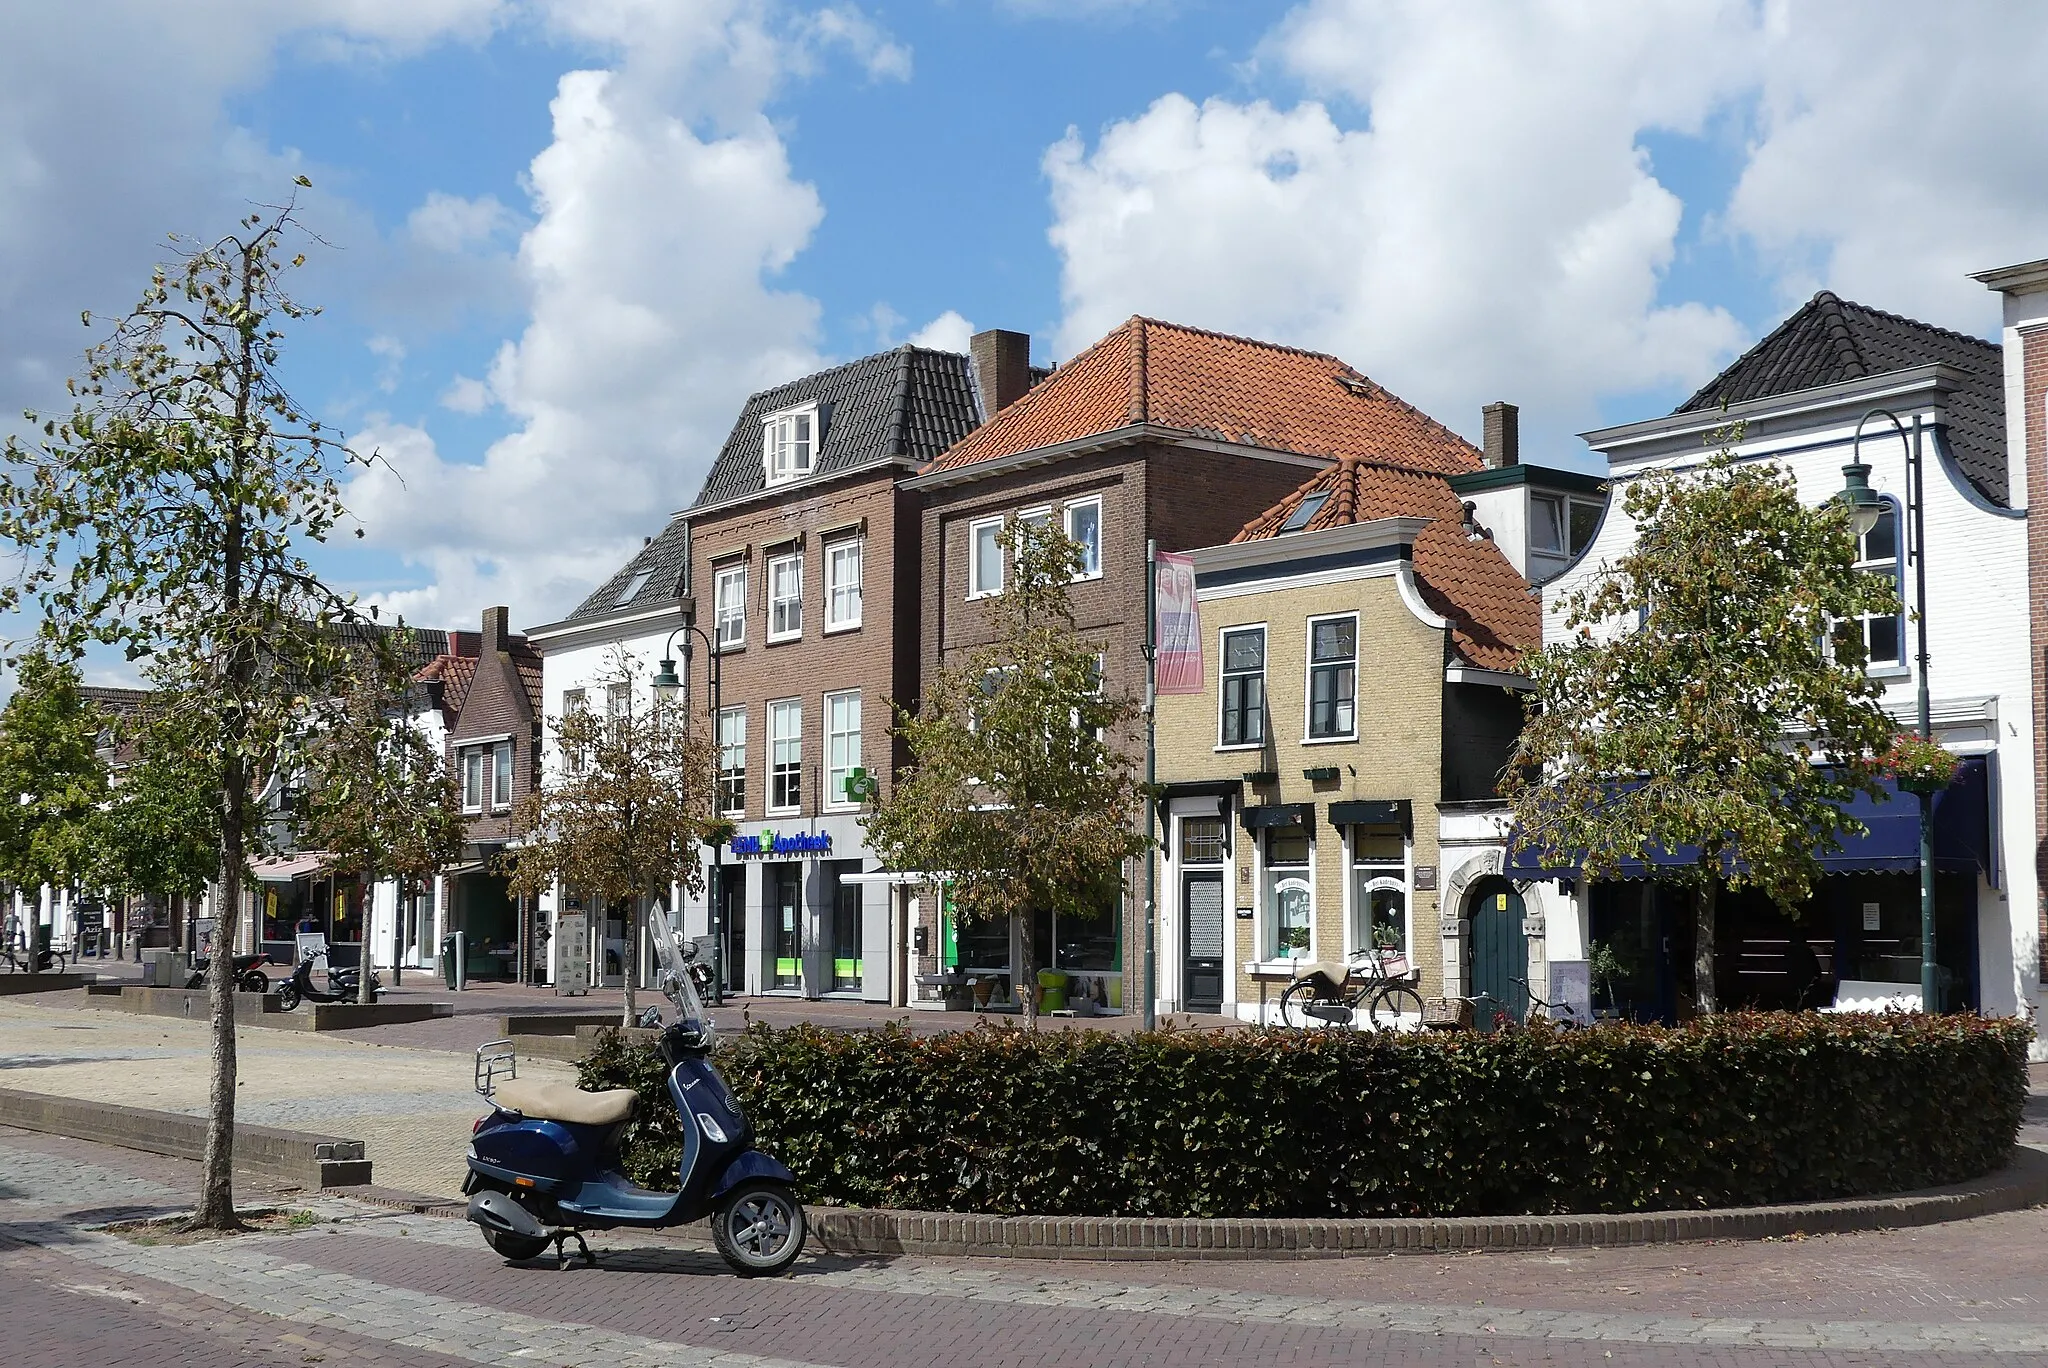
568,236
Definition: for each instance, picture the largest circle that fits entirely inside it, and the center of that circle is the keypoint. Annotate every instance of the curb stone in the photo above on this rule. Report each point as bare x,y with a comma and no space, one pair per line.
311,1161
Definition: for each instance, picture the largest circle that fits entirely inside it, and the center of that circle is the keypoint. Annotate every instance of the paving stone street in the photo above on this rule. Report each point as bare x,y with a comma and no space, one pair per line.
363,1284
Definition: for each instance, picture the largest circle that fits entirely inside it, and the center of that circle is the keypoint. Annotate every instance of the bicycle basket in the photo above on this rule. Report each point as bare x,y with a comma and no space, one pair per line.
1442,1013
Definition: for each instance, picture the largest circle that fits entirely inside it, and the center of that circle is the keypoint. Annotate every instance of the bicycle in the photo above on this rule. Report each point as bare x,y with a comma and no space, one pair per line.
1384,993
47,961
1541,1010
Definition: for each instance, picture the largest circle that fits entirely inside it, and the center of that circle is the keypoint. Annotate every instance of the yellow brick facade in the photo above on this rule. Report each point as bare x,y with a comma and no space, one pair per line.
1395,754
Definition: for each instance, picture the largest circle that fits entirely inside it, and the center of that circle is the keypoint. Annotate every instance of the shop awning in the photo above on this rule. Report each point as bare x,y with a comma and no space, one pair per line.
1379,812
285,868
1261,815
1962,836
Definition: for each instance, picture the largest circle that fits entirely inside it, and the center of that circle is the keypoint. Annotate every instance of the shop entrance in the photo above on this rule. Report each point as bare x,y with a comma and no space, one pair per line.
729,886
1202,902
489,918
786,910
846,925
1500,952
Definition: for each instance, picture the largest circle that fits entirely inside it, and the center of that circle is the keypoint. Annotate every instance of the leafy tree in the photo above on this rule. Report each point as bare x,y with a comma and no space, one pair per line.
51,779
1022,786
159,832
168,515
1704,699
379,798
623,818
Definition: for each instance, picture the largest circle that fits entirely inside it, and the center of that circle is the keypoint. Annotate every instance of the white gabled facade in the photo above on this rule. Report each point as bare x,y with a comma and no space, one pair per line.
1976,610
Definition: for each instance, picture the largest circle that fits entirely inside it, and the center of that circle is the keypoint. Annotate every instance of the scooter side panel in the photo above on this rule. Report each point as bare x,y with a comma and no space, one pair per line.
553,1154
751,1164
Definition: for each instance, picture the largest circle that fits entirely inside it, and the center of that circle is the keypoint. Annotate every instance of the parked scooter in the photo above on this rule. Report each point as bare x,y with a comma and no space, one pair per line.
544,1164
249,975
341,986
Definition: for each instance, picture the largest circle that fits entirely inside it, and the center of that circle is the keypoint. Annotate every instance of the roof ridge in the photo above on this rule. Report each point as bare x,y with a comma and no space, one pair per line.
1259,342
1140,378
1919,323
894,441
1835,324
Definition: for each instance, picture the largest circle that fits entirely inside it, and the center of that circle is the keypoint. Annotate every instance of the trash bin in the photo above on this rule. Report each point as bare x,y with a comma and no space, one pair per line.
1052,991
454,950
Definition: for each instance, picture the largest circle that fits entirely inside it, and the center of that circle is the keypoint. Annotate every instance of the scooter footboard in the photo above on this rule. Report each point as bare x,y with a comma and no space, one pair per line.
752,1164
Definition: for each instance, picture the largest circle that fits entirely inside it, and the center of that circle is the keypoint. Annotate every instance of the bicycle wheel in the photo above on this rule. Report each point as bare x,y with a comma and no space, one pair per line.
1293,1004
1397,1007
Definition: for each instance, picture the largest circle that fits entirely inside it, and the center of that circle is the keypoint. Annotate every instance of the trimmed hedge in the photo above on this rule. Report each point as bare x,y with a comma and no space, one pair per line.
1738,1110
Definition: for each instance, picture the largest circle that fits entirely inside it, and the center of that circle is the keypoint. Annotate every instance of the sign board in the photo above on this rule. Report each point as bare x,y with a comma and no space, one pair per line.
1244,914
1571,988
312,943
1425,878
782,843
1177,626
1871,919
572,955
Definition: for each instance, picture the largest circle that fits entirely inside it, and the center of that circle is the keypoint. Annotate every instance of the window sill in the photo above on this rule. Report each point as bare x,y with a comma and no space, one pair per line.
1085,579
841,807
1352,739
974,594
1238,746
730,647
785,638
1889,672
842,627
1273,968
784,812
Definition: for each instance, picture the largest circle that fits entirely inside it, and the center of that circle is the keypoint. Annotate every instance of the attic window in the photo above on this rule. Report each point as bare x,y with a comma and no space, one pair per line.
789,439
1304,511
633,587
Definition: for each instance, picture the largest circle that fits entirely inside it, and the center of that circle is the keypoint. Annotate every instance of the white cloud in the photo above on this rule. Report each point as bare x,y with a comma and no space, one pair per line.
450,223
466,394
843,26
662,211
390,353
948,332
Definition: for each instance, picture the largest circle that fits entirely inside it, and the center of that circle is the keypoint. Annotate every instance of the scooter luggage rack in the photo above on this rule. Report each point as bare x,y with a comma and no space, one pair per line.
495,1059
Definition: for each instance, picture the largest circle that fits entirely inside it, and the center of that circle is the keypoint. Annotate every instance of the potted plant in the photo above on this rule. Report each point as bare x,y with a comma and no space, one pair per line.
1919,765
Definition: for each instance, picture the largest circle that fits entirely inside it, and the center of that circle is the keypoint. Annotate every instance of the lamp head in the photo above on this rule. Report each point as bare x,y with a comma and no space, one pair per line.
1865,504
666,684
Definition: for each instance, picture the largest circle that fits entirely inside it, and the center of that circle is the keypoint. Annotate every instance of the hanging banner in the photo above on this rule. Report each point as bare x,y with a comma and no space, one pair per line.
1177,631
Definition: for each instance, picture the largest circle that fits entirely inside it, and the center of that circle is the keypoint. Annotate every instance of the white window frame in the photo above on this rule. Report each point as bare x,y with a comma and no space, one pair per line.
1265,678
778,768
574,702
837,553
837,773
501,776
737,748
1269,911
1895,566
1405,872
794,562
1308,697
469,762
1067,520
618,701
975,587
729,609
781,448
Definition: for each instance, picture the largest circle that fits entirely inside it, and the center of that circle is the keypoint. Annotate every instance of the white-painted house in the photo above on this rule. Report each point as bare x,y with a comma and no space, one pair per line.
1802,394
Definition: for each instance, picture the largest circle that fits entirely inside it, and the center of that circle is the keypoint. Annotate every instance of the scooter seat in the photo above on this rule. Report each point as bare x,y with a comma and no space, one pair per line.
564,1102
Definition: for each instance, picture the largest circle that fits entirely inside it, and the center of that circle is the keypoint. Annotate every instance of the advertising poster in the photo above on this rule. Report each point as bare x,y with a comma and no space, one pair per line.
1177,633
572,955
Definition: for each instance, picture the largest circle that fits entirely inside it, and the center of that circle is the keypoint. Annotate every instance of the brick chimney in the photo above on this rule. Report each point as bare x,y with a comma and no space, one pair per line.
496,628
1002,367
1502,445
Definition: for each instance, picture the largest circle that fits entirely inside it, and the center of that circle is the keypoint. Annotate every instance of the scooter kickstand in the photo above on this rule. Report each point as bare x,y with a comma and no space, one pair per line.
562,1250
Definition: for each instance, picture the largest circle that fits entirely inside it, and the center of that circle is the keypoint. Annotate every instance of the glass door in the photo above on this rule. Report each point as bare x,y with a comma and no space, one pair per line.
846,929
786,886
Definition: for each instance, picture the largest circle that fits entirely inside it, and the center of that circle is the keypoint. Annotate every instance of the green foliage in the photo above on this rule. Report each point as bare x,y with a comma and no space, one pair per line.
1698,693
160,833
51,777
1733,1110
1023,783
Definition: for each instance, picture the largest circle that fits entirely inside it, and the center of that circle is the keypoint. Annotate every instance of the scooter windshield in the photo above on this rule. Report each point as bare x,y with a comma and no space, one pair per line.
675,973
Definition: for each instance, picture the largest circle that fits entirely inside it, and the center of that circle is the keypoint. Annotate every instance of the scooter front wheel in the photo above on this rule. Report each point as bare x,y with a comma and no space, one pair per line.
287,996
759,1228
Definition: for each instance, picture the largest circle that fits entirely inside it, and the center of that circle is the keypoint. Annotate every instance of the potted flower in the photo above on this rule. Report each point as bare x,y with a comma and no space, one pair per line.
1918,765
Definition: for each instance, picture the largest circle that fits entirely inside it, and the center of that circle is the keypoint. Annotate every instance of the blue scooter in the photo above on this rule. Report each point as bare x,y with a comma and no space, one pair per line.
544,1164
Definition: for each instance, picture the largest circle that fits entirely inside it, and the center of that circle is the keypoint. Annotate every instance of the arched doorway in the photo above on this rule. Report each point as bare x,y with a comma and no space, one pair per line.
1500,952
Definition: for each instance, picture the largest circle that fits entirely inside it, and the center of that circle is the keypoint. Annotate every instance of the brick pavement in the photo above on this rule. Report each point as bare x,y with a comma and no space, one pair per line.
375,1287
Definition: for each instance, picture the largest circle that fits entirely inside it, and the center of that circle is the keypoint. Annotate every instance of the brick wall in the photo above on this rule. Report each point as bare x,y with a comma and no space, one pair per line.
496,705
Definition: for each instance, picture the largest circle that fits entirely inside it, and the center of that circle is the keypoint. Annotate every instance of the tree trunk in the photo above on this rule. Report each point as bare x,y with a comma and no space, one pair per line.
1703,899
631,959
216,1206
1027,976
363,966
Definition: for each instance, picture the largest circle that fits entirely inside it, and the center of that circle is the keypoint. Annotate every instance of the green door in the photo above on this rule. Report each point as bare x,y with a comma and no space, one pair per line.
1500,952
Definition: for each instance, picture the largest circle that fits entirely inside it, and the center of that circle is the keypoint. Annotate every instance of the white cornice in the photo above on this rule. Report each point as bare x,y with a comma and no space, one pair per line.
2025,278
574,632
1324,541
1472,674
1925,386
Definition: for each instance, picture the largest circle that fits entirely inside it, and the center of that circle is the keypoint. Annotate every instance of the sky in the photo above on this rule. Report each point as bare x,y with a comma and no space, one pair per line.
560,241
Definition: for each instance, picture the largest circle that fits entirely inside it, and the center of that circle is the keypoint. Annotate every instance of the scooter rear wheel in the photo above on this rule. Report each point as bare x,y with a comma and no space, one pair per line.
506,1245
759,1228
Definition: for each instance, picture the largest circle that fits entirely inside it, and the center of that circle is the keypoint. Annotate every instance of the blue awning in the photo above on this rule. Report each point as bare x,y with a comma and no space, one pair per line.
1962,836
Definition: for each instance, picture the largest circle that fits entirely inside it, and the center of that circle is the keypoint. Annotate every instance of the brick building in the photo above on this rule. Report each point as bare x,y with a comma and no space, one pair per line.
1156,433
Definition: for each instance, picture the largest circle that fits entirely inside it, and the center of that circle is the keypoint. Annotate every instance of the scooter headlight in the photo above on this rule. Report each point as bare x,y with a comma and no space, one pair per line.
713,1132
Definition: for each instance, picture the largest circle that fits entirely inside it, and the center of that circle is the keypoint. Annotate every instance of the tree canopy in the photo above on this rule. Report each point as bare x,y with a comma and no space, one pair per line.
52,779
1703,699
1022,789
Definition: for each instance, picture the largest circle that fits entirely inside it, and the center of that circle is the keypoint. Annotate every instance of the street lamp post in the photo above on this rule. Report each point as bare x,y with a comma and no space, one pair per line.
666,684
1866,506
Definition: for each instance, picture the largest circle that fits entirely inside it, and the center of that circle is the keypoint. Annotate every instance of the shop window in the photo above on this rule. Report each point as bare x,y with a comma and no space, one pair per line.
730,593
1244,688
785,755
786,597
1084,526
1290,897
732,761
842,746
1203,840
842,585
1379,890
1332,677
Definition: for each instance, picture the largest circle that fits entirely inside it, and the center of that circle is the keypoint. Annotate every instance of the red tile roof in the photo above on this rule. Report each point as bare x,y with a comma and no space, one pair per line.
1233,389
457,672
1494,614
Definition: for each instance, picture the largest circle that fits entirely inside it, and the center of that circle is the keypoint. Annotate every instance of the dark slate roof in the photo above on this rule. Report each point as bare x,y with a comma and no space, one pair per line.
910,403
662,558
1832,339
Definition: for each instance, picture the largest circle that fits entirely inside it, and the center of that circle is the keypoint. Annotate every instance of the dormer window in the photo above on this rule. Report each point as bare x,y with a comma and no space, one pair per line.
789,439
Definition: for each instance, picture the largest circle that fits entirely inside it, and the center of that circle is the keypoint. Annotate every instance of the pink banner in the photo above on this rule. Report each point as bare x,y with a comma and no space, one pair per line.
1177,631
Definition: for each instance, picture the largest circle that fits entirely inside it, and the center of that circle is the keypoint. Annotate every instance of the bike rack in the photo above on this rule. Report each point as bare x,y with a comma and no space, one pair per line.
495,1059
